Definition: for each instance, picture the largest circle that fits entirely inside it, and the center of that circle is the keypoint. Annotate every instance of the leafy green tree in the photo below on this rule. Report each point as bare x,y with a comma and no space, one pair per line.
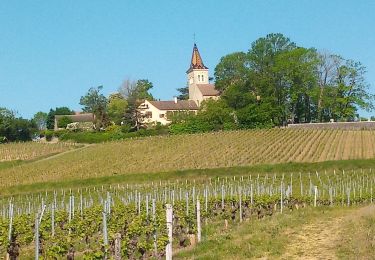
352,91
117,106
142,89
135,93
295,84
64,121
96,103
214,115
297,69
231,70
14,128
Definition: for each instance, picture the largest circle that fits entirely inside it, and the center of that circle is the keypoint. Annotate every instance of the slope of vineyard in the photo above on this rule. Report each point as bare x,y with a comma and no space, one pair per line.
31,150
211,150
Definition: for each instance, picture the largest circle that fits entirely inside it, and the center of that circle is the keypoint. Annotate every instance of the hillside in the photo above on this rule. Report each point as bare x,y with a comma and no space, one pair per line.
212,150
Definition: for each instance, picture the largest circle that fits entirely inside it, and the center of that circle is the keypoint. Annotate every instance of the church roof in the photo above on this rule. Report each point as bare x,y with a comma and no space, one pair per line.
196,60
208,90
172,105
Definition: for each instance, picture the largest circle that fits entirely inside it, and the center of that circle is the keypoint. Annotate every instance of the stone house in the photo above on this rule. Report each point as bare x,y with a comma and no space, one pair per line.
81,118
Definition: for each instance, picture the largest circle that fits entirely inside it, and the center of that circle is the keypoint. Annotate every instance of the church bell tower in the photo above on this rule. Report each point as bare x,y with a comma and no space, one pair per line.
196,74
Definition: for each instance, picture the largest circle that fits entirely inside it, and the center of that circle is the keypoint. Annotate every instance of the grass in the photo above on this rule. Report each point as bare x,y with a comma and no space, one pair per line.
197,174
358,238
266,238
158,154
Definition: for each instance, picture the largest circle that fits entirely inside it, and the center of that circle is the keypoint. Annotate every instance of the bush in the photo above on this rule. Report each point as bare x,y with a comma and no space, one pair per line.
48,134
126,128
64,121
113,129
99,137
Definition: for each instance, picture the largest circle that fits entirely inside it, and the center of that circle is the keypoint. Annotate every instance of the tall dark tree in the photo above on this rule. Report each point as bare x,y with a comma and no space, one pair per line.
184,93
135,93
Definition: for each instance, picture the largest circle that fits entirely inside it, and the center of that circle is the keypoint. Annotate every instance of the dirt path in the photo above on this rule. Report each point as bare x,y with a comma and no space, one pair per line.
69,151
319,240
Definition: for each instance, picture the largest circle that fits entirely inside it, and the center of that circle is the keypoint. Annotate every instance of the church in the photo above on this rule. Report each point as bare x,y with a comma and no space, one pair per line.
200,89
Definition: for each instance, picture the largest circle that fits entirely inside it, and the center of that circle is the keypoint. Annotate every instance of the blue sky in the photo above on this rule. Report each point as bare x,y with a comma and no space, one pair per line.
52,52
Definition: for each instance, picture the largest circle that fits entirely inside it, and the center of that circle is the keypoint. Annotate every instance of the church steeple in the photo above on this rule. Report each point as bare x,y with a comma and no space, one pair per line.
196,60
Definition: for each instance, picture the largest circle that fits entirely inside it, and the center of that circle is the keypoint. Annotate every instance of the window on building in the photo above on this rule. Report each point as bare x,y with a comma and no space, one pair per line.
202,78
161,115
199,77
148,114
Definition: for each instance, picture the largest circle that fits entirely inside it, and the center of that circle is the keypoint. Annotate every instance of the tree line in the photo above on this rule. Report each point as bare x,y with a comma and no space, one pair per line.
274,83
277,82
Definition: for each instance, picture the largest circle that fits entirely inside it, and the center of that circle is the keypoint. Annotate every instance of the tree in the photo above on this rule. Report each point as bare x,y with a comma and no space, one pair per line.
96,103
231,70
13,128
117,106
184,93
142,89
291,83
135,94
64,121
40,120
352,91
327,71
297,71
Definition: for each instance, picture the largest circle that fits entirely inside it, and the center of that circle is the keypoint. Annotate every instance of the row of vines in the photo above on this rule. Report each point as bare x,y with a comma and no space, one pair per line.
197,151
31,150
129,221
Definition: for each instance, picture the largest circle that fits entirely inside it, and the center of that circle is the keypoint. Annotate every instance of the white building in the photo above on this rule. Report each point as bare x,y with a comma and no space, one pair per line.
200,89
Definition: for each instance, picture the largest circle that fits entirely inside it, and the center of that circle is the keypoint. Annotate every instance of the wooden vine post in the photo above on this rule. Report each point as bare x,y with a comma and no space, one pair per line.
315,194
118,246
281,197
36,237
240,195
105,232
199,228
168,250
153,219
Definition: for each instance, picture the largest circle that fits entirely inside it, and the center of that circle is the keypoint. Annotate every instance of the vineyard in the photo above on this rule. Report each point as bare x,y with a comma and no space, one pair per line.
31,150
151,220
199,151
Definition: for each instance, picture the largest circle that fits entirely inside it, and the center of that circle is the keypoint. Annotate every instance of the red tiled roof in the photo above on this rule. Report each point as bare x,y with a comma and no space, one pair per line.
208,90
196,60
171,105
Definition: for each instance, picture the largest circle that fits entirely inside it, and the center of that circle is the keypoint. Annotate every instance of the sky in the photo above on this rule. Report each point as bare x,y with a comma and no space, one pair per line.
52,52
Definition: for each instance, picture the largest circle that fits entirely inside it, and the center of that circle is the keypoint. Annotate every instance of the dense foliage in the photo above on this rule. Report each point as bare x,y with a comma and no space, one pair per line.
277,82
13,128
280,81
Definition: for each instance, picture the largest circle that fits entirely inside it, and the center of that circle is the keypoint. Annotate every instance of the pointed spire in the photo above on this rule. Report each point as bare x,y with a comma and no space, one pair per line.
196,60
